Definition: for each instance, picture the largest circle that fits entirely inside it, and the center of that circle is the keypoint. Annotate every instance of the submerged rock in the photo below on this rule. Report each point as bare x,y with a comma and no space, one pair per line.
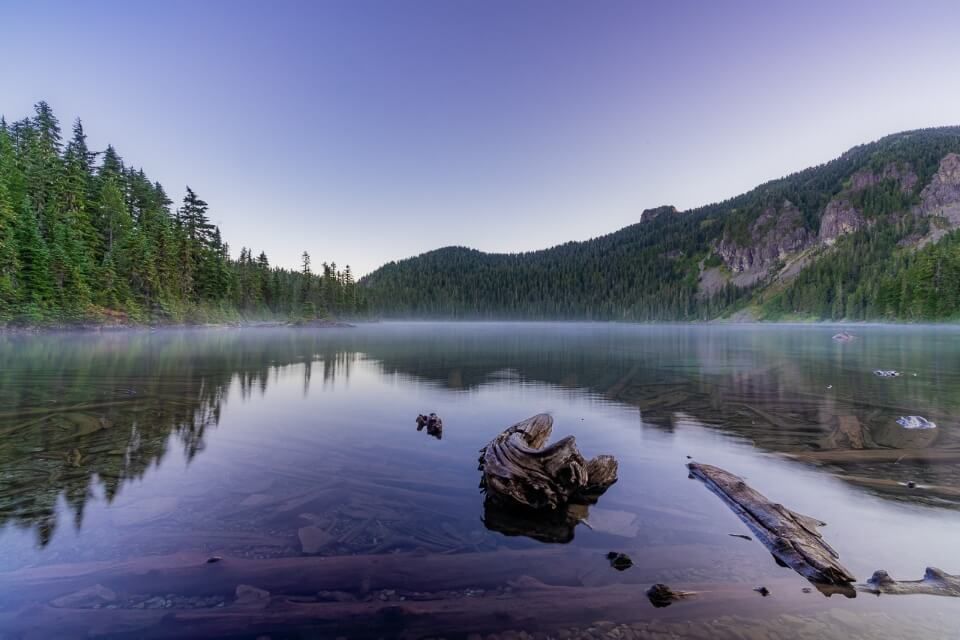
619,561
660,595
886,373
95,596
252,596
916,422
314,539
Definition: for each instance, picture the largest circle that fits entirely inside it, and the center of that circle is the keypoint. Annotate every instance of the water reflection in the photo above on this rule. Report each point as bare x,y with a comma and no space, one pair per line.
789,390
267,447
551,526
78,412
81,412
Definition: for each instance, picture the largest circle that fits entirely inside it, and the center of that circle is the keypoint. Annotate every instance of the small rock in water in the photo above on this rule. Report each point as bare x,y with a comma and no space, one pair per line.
740,535
619,561
806,589
313,539
916,422
251,596
214,559
886,373
660,595
762,591
911,484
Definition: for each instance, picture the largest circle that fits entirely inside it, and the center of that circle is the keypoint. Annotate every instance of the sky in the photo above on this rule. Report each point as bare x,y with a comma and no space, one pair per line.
366,131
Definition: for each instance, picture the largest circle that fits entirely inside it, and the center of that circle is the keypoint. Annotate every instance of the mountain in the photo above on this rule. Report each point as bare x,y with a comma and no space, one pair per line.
869,235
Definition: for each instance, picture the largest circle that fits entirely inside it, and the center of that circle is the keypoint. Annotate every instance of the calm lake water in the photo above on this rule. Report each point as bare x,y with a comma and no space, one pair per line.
129,459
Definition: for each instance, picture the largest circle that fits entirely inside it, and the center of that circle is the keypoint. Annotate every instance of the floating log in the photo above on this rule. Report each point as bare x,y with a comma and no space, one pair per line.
519,469
792,538
935,582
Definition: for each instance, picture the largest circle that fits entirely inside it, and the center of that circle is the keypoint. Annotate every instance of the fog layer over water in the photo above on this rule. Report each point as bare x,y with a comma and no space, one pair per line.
265,445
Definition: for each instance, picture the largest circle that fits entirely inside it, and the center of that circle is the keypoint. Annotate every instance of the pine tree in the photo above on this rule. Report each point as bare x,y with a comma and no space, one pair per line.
9,260
34,258
193,217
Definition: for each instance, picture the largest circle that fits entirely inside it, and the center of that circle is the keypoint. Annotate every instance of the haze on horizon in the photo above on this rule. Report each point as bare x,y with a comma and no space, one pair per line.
366,131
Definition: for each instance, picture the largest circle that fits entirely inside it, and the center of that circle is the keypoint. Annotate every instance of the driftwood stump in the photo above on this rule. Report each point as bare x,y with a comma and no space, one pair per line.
518,469
792,538
433,423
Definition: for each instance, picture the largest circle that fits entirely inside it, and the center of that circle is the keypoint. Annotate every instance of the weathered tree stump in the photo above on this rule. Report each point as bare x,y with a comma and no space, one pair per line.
792,538
935,582
433,423
517,468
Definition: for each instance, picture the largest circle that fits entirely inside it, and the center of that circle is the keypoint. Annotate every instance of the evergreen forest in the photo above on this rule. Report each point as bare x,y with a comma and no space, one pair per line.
88,238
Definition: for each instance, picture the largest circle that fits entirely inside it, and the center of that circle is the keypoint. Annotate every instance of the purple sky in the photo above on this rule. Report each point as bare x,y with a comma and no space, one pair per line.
368,131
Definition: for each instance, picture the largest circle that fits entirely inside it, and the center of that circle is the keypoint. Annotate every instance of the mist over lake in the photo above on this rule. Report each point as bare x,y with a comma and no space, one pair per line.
130,459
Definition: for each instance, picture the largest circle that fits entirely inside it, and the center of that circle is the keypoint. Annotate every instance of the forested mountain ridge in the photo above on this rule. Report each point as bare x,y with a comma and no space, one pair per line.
85,238
869,235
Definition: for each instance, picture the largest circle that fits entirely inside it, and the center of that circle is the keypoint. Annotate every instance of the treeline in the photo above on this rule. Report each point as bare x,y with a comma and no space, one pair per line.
873,279
650,271
86,238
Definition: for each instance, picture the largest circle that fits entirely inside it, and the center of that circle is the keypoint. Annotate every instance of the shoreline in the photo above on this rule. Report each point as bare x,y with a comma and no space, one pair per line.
85,328
120,328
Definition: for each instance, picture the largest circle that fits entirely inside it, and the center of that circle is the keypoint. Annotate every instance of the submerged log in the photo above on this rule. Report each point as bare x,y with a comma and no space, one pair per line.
532,606
935,582
519,469
792,538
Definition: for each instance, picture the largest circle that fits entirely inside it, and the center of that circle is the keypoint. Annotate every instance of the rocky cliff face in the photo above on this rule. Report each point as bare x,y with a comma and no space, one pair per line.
941,197
649,215
774,235
902,174
779,233
839,218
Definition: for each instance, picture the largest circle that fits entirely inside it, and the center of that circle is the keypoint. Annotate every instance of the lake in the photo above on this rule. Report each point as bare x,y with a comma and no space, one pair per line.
255,483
